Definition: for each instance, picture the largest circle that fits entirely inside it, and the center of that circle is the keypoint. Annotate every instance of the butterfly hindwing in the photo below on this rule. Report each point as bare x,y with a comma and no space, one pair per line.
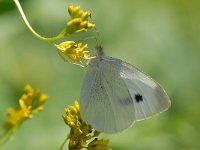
105,102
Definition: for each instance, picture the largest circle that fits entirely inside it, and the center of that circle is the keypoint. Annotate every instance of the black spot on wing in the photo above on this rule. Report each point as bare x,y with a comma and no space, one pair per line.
138,98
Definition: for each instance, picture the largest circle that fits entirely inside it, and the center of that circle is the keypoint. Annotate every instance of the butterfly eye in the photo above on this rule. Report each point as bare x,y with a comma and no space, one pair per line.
138,98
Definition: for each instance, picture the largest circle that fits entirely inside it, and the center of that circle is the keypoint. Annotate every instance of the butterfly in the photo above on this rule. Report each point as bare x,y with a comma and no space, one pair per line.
115,94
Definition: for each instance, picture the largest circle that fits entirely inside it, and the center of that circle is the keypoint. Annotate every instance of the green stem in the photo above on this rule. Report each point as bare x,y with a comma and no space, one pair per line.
63,144
7,136
61,35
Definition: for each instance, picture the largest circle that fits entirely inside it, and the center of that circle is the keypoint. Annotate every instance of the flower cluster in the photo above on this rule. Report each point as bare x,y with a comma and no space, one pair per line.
81,132
79,20
76,52
31,101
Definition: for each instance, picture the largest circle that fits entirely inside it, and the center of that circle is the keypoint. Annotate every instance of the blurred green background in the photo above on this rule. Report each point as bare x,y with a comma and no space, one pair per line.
162,38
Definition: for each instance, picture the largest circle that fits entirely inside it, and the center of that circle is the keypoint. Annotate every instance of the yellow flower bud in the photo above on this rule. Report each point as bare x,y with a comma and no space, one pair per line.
82,133
76,105
22,104
85,15
84,24
28,89
39,109
43,98
79,20
71,123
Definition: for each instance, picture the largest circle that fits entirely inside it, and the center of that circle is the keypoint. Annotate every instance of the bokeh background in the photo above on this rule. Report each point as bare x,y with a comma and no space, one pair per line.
162,38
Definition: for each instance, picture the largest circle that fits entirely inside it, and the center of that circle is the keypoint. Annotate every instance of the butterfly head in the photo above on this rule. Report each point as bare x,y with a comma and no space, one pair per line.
99,51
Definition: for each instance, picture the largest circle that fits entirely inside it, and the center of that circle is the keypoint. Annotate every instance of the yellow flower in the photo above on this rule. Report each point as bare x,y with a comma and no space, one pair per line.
99,144
31,101
81,133
76,52
14,118
26,109
79,20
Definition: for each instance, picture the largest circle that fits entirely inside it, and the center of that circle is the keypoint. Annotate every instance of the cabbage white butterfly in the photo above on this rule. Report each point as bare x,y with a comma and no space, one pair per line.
115,94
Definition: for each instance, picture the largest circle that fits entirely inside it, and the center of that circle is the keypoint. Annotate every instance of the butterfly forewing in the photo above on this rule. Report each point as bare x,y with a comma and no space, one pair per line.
148,96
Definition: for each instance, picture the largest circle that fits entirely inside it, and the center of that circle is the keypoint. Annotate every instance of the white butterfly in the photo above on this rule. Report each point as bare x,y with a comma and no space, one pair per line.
115,94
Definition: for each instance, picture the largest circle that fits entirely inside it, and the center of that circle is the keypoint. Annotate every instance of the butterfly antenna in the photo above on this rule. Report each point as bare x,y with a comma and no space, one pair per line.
98,48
